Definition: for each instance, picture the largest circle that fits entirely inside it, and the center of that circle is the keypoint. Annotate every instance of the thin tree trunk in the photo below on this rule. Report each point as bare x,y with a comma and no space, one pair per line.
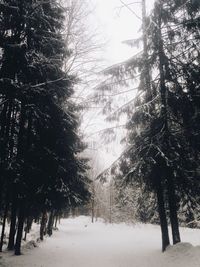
12,131
97,212
110,208
29,223
4,224
20,154
50,224
12,232
43,225
173,209
56,221
26,229
92,200
20,229
5,154
25,232
4,122
162,215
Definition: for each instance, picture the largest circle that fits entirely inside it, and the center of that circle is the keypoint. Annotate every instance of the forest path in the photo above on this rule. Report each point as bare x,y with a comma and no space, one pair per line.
79,243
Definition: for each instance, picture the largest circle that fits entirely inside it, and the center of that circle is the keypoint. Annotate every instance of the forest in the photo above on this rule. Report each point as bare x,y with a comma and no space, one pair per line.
150,104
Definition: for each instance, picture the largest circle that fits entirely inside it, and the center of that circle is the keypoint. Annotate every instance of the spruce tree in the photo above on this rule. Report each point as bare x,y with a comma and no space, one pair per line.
40,164
160,154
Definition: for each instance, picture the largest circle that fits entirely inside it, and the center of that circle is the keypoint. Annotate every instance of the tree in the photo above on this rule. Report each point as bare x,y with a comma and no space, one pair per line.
157,155
40,164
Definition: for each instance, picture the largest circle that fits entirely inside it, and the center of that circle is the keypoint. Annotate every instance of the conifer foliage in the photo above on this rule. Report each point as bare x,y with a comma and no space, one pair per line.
163,118
40,169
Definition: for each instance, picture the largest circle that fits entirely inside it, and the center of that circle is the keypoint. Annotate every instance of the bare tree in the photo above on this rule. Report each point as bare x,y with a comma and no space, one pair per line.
82,39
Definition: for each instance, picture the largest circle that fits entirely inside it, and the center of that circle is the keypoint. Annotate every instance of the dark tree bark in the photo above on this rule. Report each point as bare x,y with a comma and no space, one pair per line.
173,209
29,223
162,215
3,120
50,224
56,221
20,154
20,229
5,153
92,204
12,131
43,225
27,228
4,224
12,232
25,231
166,143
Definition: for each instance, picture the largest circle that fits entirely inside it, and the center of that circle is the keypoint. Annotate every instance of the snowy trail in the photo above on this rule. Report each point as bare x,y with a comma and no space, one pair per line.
78,243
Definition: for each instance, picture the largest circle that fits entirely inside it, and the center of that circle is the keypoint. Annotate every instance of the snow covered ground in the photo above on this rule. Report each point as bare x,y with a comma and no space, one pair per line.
79,243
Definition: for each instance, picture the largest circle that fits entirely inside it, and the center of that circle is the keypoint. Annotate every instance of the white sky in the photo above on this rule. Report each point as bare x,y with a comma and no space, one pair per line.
118,24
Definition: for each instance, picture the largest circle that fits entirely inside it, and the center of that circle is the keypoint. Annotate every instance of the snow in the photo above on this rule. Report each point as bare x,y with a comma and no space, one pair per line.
79,243
31,239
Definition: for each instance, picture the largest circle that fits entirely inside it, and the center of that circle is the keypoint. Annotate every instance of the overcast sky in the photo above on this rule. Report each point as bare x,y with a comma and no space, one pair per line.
117,23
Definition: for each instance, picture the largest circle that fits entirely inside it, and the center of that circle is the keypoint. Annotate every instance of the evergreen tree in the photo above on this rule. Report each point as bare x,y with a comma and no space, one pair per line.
160,154
40,165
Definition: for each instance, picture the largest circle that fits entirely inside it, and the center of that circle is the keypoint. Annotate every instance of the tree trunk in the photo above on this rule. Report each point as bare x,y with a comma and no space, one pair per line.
4,161
4,224
12,132
92,204
20,230
162,215
173,209
29,223
93,201
25,232
43,225
12,232
20,154
50,224
28,226
98,212
3,121
110,203
56,221
166,143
